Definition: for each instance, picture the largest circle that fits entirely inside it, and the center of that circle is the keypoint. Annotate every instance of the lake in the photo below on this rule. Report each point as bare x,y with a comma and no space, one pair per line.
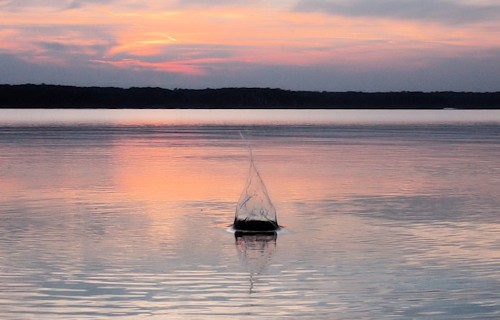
124,214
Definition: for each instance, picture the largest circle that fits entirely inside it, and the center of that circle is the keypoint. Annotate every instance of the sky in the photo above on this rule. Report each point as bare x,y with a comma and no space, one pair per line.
332,45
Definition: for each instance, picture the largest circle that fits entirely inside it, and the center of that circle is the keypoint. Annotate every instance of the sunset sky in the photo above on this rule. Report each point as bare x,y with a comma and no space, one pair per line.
335,45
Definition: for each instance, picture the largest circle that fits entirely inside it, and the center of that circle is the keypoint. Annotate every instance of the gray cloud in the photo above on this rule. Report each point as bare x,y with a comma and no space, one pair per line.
211,3
59,47
17,5
465,73
449,12
58,35
80,3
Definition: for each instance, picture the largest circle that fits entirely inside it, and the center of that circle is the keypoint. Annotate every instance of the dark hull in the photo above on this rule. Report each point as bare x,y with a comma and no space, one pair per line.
255,226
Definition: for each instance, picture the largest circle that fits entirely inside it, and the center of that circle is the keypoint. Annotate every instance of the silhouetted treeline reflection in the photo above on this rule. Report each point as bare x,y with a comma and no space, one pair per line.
54,96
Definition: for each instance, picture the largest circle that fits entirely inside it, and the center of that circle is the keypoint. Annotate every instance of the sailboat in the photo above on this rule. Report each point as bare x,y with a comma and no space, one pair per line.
255,211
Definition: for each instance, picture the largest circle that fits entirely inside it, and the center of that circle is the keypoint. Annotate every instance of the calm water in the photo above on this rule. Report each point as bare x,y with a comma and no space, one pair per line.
382,220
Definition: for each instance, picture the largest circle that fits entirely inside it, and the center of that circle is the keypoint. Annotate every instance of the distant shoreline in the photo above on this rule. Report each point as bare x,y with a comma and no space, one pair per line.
72,97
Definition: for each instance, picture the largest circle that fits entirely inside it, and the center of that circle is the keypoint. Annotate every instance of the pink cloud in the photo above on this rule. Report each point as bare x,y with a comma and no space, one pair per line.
185,67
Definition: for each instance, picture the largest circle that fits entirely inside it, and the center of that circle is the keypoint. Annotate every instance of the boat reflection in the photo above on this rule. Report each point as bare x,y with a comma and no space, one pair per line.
255,251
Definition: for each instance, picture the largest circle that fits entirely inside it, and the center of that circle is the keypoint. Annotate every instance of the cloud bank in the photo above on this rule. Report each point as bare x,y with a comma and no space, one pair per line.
450,12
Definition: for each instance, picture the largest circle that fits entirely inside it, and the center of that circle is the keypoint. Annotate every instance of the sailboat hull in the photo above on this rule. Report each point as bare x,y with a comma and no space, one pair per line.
255,226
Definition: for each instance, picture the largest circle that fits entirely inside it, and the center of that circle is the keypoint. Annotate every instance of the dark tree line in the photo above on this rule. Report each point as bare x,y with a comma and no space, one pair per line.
53,96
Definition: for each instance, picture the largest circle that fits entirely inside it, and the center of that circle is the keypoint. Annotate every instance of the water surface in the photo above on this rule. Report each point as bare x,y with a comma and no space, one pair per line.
118,220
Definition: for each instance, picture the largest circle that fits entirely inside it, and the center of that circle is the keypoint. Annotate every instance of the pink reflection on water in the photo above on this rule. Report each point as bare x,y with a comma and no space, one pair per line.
242,116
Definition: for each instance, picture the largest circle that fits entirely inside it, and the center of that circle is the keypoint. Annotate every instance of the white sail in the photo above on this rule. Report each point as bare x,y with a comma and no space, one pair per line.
255,211
254,203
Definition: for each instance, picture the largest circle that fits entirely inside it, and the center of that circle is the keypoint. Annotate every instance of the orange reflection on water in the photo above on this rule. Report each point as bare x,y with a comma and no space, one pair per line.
170,173
171,170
